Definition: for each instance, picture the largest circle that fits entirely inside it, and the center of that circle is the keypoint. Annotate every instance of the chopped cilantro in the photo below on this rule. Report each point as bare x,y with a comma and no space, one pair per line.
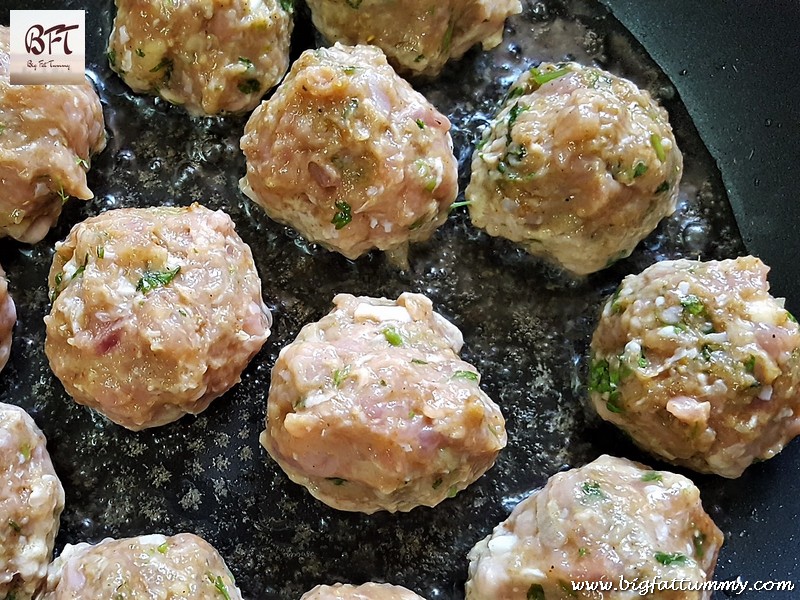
101,252
692,305
392,336
699,542
339,375
438,483
418,361
163,548
472,376
112,58
542,77
655,141
165,63
592,491
750,364
14,525
288,5
791,317
643,362
663,187
151,280
671,558
25,450
516,92
140,52
605,380
448,37
451,493
349,70
639,169
651,476
420,123
220,586
246,62
336,480
343,215
249,86
582,552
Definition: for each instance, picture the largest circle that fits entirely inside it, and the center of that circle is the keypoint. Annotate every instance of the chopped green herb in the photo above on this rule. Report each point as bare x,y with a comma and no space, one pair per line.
182,312
112,58
663,187
448,37
791,317
652,476
140,52
456,205
655,141
2,129
62,194
349,70
582,552
514,114
542,77
343,215
14,525
605,380
591,489
163,548
339,375
516,92
671,558
246,62
706,351
392,336
418,361
472,376
25,450
692,305
418,223
287,5
249,86
411,414
336,480
643,362
750,364
153,279
615,305
101,252
639,169
438,483
451,493
420,123
82,162
354,3
79,271
420,58
699,543
164,63
535,592
59,279
220,586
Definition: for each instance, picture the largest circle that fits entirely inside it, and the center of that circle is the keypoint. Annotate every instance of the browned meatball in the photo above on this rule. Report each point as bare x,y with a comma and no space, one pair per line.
611,521
372,409
48,134
418,36
699,364
347,153
149,566
209,57
368,591
31,501
8,317
578,167
156,312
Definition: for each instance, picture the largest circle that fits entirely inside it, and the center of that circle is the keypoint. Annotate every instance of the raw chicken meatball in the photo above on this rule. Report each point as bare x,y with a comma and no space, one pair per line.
578,167
418,36
699,364
8,317
611,521
156,312
372,409
347,153
149,566
209,56
368,591
31,501
48,134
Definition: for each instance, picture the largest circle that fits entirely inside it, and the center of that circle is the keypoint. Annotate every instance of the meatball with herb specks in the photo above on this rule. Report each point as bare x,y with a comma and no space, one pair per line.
612,521
418,36
156,312
31,501
48,134
149,566
699,364
8,318
368,591
348,154
208,56
372,409
578,167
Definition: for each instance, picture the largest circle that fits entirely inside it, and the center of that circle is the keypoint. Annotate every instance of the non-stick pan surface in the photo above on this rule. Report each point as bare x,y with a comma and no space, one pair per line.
526,326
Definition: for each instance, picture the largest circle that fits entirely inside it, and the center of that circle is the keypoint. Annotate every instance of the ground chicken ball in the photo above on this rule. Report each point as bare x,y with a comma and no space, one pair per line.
347,153
578,167
210,56
8,317
156,312
31,501
372,409
48,134
610,520
418,36
368,591
149,566
699,364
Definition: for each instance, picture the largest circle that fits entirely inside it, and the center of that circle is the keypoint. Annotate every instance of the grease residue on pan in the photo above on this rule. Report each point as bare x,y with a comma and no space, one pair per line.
526,327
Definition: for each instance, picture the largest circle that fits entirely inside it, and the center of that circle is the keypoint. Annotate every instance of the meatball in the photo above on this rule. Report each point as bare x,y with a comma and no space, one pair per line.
612,521
48,134
31,501
209,57
148,566
156,312
699,364
347,153
368,591
8,317
578,167
417,36
372,409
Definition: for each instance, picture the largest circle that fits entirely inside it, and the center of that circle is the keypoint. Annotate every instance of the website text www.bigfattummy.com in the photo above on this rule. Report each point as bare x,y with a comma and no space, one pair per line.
657,584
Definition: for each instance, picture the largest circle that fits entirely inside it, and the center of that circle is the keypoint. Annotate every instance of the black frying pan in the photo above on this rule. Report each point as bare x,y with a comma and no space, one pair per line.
208,474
